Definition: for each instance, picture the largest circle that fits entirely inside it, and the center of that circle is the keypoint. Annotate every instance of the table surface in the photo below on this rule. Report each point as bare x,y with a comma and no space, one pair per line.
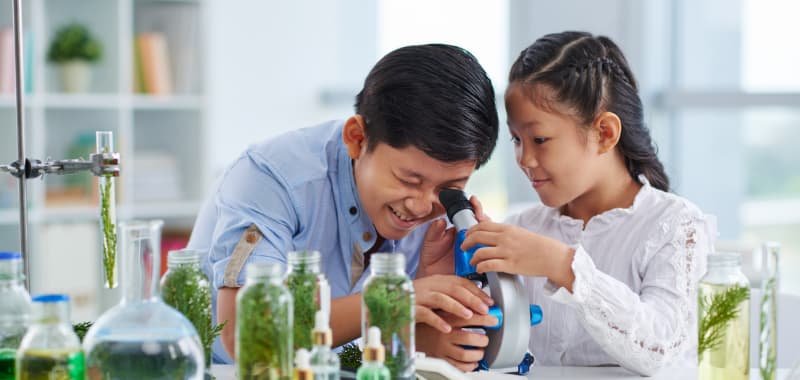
226,372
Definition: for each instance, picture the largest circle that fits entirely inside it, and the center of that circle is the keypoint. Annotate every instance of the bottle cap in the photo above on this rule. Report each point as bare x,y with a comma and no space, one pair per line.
373,351
302,365
50,298
10,255
321,335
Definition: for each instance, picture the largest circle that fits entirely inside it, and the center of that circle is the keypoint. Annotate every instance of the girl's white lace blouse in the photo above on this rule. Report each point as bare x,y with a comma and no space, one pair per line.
634,299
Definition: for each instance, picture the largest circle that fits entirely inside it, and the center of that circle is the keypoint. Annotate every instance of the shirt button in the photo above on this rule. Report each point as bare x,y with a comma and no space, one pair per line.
367,236
353,210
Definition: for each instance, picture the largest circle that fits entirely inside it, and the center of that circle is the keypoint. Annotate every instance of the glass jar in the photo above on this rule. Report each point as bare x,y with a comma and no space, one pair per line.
724,347
50,349
15,310
142,337
305,281
264,313
388,303
186,288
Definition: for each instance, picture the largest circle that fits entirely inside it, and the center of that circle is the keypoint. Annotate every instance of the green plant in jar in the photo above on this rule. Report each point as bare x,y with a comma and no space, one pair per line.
388,303
264,349
723,347
108,211
186,288
306,282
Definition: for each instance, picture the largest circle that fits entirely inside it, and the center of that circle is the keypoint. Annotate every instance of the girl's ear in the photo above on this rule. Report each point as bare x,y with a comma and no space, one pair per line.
354,137
608,129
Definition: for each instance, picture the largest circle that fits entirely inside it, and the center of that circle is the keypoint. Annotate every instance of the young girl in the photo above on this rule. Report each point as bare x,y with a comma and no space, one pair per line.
613,258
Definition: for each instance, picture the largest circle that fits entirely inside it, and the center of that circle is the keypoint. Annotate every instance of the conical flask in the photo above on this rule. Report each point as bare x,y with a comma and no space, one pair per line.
142,337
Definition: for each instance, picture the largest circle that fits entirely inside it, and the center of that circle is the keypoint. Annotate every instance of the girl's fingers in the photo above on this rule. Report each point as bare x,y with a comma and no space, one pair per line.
495,265
475,237
485,253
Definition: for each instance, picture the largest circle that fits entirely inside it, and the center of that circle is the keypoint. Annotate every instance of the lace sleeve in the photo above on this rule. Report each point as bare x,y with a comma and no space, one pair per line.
644,331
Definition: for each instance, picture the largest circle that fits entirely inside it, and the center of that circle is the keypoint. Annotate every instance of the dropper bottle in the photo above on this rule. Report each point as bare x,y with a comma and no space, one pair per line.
373,367
324,362
302,367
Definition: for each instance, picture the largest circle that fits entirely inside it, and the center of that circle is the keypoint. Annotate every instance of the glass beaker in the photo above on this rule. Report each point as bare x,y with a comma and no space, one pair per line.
186,288
388,303
15,310
50,349
724,342
305,281
142,337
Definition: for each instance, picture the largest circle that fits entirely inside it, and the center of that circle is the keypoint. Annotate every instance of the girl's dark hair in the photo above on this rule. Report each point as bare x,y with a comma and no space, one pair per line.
589,75
434,97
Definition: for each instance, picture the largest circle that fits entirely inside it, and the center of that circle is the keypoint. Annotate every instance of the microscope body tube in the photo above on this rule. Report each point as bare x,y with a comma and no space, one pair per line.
463,220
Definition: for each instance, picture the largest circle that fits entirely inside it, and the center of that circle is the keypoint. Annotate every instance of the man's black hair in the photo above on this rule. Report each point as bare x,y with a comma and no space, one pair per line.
434,97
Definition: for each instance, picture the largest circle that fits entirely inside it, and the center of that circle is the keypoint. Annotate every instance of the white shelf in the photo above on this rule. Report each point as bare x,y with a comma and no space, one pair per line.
152,210
78,101
166,210
170,102
9,216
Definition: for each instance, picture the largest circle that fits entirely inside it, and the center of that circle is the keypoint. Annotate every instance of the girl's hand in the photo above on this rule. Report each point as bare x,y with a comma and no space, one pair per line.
511,249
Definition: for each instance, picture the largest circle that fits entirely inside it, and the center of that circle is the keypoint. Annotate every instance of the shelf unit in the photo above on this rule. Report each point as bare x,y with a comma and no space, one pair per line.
164,136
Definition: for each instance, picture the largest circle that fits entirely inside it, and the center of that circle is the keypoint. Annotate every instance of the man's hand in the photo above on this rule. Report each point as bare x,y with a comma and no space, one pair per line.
449,346
451,294
436,256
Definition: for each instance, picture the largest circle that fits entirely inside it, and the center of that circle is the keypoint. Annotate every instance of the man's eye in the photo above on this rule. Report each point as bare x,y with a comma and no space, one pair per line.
540,140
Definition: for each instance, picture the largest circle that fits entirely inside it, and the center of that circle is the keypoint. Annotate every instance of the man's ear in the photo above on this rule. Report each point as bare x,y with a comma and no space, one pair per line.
608,129
354,137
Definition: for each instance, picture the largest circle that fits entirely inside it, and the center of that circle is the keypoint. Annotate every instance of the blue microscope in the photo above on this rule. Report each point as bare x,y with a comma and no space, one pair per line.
508,340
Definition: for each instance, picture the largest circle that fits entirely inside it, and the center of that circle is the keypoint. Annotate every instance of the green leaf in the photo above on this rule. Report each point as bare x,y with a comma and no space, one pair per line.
716,314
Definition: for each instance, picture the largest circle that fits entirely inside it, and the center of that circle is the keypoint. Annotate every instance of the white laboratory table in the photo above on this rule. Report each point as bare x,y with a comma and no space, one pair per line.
226,372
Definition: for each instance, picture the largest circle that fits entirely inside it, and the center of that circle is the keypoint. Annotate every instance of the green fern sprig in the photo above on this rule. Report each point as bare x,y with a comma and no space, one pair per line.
722,308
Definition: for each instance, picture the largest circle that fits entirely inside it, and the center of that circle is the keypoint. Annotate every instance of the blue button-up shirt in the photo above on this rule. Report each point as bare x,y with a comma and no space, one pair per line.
298,189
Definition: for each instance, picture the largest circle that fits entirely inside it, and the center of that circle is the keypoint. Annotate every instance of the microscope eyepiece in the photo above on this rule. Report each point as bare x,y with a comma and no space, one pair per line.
454,201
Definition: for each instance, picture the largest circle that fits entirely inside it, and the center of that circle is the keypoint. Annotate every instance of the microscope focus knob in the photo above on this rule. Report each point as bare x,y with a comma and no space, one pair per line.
536,314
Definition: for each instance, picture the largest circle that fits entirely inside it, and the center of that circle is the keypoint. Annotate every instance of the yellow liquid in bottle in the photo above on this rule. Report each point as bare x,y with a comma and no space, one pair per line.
730,360
51,365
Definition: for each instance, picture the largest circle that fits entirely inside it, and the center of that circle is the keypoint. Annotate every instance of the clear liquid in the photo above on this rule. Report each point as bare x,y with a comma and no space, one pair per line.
153,360
51,365
730,360
7,362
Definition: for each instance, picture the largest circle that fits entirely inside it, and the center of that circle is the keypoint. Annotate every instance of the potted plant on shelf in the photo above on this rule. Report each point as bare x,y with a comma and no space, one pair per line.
73,49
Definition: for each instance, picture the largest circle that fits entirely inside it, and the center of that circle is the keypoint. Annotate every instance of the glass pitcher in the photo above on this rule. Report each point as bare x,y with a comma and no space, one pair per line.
142,337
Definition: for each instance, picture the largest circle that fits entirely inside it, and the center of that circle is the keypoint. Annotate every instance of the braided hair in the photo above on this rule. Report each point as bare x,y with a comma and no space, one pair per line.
589,75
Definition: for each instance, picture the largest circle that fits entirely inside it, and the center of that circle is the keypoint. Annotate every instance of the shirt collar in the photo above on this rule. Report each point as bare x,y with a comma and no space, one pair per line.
362,230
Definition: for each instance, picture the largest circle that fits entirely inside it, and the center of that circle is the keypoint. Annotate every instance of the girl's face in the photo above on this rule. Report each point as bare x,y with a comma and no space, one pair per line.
557,155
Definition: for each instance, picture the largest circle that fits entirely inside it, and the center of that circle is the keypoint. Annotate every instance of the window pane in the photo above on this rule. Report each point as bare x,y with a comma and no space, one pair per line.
769,58
742,166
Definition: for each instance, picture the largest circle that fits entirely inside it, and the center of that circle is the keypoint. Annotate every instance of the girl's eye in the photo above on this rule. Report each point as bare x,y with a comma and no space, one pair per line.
540,140
515,140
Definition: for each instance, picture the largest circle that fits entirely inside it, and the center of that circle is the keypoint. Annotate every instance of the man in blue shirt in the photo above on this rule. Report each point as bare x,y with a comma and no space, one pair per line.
425,120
